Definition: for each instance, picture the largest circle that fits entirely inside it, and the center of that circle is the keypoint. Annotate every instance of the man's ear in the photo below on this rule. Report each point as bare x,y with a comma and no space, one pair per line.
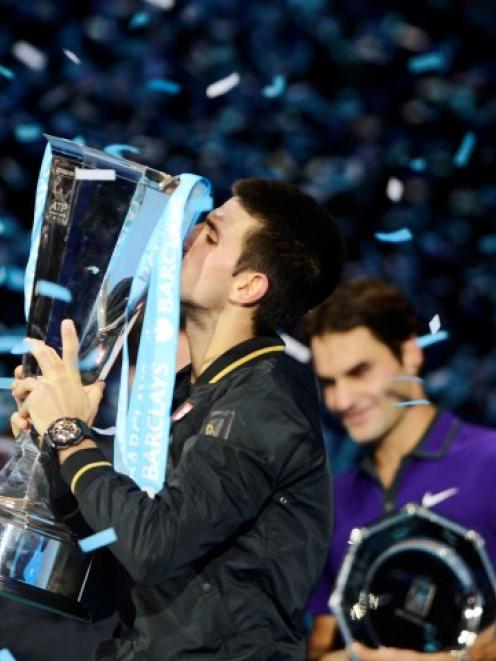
248,288
412,356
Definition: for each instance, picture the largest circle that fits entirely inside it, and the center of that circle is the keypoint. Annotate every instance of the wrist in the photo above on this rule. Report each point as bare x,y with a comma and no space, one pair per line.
65,453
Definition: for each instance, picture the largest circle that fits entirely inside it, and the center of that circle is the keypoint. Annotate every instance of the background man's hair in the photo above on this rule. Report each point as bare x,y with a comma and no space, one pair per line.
299,247
371,302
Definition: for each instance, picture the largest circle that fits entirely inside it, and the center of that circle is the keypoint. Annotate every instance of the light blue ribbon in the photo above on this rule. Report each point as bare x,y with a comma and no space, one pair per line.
39,207
142,431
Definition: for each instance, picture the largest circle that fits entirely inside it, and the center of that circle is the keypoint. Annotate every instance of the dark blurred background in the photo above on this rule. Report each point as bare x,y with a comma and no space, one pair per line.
384,111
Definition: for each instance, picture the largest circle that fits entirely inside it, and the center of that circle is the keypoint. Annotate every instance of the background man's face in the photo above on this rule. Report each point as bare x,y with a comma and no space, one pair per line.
211,254
356,373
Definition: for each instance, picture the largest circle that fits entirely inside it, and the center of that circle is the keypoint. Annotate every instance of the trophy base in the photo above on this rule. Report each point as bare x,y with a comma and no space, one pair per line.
38,598
41,564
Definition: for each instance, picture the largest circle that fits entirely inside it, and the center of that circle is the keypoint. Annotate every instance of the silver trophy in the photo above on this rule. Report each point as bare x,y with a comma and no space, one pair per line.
415,580
92,235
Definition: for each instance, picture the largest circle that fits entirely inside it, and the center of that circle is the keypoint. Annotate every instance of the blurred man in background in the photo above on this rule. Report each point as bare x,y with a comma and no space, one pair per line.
367,360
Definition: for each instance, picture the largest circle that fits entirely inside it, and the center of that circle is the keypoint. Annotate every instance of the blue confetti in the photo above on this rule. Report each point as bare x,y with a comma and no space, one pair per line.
99,539
8,342
6,384
465,150
12,277
6,73
163,85
53,290
90,361
412,402
399,236
117,149
79,140
6,655
434,61
276,88
22,347
139,20
418,164
28,132
432,338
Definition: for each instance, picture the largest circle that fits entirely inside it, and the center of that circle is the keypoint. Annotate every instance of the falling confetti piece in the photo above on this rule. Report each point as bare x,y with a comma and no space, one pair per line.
117,149
6,655
29,55
71,56
163,85
295,349
413,402
99,539
53,290
162,4
28,132
94,175
6,384
465,150
400,236
407,377
93,269
434,61
427,340
6,73
276,88
223,86
8,342
418,164
394,189
22,347
435,324
139,20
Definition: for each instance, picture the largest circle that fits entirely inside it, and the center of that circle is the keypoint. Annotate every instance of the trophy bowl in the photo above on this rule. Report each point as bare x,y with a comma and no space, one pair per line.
415,580
89,235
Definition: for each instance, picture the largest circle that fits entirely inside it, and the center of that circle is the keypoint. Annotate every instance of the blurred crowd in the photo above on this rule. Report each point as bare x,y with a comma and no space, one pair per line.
383,111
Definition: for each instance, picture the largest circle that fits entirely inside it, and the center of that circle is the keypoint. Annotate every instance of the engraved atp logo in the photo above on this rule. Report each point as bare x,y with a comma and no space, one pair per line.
432,499
164,330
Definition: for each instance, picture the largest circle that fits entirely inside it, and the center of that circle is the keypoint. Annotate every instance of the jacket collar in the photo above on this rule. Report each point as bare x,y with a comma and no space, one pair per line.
246,352
432,445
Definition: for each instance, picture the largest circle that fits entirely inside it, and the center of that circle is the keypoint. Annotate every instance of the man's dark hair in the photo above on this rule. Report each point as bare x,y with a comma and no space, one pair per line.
370,302
298,246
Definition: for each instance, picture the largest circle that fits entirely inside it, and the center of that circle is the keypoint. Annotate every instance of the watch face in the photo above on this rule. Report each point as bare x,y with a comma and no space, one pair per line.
65,431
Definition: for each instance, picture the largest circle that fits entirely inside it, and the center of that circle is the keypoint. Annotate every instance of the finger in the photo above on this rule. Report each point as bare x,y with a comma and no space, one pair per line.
95,394
70,344
22,388
19,423
18,372
46,357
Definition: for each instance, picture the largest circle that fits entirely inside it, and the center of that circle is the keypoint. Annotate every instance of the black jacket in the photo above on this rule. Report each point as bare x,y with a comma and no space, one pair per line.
220,564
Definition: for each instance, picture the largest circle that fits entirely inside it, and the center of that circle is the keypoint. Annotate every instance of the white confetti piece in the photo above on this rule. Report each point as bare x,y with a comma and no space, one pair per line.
223,86
93,269
435,324
95,174
296,349
71,56
412,402
29,55
108,431
394,189
162,4
99,539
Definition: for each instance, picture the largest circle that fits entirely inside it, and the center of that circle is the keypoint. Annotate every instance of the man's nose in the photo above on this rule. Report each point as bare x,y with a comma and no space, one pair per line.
340,398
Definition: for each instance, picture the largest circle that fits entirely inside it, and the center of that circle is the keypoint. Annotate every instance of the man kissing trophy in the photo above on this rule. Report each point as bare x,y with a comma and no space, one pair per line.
100,228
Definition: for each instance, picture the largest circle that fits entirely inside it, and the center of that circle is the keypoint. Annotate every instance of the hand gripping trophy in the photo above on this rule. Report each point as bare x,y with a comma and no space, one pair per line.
96,217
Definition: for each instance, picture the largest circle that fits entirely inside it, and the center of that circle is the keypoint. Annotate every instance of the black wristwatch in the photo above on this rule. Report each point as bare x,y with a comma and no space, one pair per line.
66,432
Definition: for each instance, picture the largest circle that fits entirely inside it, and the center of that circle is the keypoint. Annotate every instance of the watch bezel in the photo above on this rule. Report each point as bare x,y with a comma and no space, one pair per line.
57,442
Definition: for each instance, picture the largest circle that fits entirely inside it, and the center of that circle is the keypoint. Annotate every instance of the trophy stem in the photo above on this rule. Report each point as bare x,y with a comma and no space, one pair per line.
40,561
